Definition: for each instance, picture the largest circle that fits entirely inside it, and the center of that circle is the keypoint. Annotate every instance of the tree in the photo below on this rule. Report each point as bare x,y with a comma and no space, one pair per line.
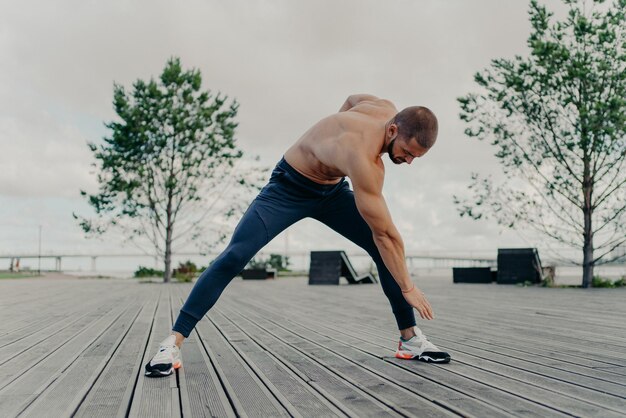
279,262
558,121
170,161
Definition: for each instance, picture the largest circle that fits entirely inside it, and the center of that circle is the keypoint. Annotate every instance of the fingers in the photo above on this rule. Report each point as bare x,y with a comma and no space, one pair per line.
427,311
418,300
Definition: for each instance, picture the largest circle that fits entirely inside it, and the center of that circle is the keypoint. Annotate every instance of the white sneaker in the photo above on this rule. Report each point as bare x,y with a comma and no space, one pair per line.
166,360
419,347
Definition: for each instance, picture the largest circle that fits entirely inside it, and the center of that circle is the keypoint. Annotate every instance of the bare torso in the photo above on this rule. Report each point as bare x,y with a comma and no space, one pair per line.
350,143
322,153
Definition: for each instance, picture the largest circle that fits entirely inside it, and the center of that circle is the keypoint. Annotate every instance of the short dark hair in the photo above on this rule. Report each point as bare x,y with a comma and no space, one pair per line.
417,122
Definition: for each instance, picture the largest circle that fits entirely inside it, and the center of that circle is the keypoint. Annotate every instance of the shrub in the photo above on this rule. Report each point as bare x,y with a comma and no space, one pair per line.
257,264
600,282
275,261
185,272
148,272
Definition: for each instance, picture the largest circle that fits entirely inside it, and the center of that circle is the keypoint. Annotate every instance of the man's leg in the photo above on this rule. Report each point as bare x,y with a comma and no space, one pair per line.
262,221
341,214
249,237
279,204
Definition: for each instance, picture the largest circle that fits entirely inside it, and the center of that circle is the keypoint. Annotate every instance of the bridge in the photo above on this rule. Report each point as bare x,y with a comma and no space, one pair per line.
432,260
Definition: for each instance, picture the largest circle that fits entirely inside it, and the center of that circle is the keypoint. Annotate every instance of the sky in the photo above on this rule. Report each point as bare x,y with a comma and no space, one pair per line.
288,63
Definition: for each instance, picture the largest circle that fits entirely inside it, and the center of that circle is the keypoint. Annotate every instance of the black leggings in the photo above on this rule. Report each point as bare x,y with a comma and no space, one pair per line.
287,198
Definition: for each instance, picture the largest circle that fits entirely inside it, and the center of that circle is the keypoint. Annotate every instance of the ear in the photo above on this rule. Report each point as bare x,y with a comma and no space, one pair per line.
392,130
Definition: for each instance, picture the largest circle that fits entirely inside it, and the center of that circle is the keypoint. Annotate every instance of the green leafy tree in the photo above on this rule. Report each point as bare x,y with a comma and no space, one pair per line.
275,261
279,262
170,164
558,121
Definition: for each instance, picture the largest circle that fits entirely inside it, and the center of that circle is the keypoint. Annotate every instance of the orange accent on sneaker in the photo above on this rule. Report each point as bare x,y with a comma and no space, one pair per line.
177,365
404,355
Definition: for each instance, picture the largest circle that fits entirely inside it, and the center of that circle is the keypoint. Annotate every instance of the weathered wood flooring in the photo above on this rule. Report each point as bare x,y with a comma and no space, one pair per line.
76,347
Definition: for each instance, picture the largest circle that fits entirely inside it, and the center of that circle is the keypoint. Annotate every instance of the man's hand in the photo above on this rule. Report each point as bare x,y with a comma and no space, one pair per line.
416,299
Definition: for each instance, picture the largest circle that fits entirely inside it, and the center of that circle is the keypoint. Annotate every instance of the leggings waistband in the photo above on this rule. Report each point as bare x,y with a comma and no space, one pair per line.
303,179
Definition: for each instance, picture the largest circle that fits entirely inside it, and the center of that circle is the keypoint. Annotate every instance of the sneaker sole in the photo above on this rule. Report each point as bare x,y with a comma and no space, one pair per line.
428,359
158,373
407,356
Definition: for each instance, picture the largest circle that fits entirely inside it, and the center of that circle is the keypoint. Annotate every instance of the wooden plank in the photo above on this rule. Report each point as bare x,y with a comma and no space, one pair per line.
405,385
445,331
295,394
567,341
300,307
34,350
555,327
157,397
283,348
201,390
33,381
367,314
248,394
18,343
66,393
461,394
393,396
550,358
565,400
50,302
351,397
110,394
606,387
17,292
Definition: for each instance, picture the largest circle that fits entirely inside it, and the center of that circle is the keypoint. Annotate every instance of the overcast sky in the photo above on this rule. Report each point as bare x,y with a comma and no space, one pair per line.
288,63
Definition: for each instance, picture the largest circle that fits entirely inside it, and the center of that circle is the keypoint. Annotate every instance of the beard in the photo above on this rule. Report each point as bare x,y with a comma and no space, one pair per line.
390,152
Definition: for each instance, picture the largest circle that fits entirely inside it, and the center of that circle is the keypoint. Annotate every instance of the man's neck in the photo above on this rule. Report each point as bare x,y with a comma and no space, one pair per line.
385,145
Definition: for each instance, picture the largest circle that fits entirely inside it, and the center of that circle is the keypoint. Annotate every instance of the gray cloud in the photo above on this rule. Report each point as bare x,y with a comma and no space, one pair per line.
287,63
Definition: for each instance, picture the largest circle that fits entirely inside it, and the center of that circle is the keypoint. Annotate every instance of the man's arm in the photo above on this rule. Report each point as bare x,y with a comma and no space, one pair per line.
367,180
355,99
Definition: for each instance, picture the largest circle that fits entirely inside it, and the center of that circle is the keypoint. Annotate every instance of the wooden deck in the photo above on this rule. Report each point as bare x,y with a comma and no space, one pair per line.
76,347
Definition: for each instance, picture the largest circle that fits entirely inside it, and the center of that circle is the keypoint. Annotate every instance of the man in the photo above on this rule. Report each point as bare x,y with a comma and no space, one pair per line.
310,182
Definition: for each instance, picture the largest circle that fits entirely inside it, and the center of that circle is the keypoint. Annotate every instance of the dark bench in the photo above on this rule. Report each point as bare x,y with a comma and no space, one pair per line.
258,274
328,266
472,275
518,265
515,265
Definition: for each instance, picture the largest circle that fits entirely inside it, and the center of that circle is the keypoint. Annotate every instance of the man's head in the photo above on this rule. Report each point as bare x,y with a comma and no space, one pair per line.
410,134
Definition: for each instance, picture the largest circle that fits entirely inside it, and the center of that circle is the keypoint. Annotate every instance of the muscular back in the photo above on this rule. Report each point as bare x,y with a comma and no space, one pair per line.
324,151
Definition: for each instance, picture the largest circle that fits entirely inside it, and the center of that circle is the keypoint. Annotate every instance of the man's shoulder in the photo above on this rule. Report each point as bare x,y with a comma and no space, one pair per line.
367,176
377,109
361,166
375,102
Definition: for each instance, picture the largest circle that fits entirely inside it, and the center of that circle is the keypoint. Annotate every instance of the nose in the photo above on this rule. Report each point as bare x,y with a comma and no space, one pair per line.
409,160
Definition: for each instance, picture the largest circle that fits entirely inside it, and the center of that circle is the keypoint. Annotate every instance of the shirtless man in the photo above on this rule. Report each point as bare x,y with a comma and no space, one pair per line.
310,182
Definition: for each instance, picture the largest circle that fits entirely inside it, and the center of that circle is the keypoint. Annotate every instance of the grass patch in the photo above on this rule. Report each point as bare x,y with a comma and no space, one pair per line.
13,275
604,282
597,282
